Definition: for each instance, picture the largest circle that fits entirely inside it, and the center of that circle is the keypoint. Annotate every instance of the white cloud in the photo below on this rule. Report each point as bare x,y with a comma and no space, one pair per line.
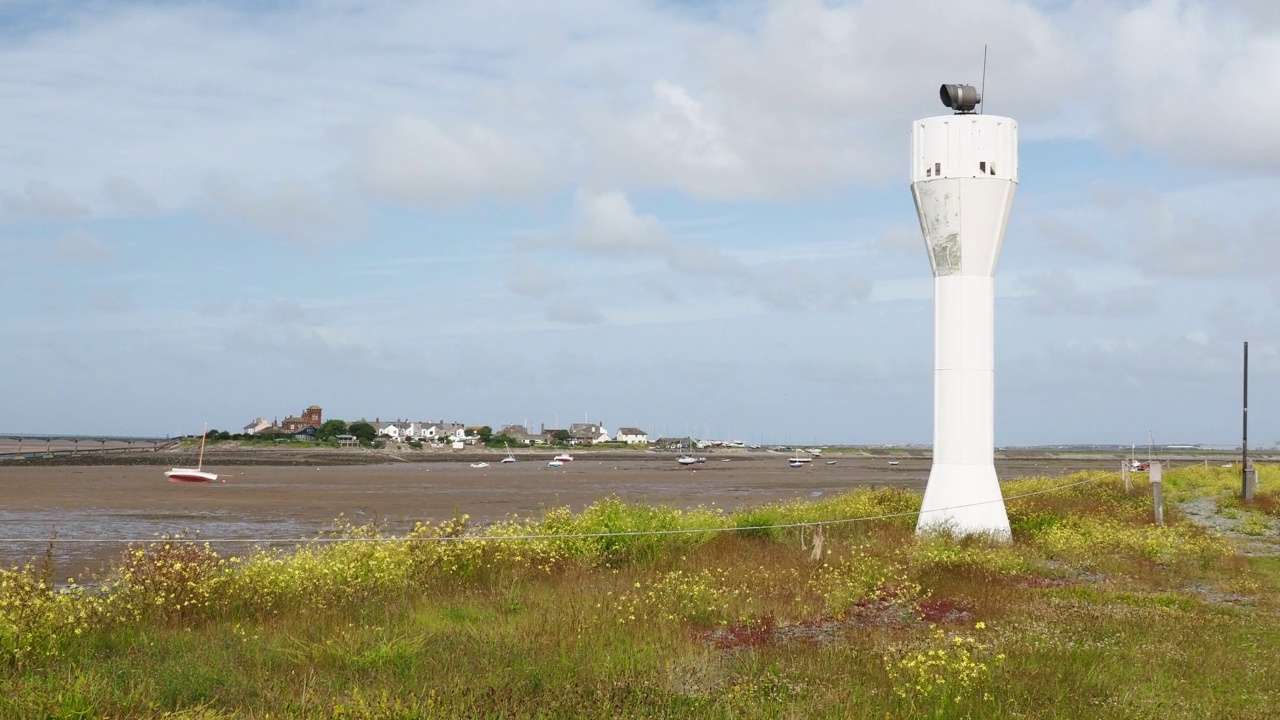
1195,83
606,222
415,161
289,333
437,105
293,210
1058,292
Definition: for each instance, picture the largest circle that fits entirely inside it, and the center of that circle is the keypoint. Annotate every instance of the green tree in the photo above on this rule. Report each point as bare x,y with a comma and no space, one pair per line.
485,433
362,430
561,436
331,428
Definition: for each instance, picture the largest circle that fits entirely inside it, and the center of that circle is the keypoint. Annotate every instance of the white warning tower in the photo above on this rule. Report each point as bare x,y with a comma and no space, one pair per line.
964,174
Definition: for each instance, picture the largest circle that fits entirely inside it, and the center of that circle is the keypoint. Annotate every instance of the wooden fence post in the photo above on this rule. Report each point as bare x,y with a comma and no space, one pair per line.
1124,474
1157,491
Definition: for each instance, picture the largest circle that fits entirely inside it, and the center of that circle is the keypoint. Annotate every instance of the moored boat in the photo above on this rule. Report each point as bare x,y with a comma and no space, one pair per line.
193,475
190,475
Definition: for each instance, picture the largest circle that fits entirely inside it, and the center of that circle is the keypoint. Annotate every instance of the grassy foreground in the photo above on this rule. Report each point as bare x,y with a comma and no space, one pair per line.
1091,612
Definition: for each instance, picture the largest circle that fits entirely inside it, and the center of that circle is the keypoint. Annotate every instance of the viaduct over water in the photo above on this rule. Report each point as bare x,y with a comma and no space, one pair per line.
27,445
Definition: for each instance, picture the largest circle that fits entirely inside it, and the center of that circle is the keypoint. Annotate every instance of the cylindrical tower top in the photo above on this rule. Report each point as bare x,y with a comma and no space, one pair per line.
964,146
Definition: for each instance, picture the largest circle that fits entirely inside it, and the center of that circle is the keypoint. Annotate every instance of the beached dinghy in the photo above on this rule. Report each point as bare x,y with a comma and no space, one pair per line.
193,475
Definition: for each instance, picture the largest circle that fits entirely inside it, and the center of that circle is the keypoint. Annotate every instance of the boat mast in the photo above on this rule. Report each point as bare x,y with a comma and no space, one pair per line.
203,436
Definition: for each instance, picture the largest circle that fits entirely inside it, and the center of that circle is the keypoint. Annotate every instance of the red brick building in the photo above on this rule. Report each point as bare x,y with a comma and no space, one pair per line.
311,417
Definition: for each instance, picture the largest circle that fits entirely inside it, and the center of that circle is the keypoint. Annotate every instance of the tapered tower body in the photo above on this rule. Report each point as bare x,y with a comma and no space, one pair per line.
964,175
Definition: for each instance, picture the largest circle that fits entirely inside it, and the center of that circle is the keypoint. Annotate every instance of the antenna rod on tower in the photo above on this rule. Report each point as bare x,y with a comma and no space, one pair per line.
982,92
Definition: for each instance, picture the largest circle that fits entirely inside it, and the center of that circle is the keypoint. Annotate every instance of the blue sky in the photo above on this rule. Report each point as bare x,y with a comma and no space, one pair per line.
684,217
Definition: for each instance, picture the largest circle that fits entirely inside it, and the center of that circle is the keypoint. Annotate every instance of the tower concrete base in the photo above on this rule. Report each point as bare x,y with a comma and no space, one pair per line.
965,499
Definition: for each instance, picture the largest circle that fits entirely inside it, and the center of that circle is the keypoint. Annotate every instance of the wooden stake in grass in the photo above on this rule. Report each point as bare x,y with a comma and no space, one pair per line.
1157,491
1124,473
818,540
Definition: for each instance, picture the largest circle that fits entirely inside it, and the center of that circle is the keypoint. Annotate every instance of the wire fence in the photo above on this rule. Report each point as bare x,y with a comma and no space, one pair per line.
541,536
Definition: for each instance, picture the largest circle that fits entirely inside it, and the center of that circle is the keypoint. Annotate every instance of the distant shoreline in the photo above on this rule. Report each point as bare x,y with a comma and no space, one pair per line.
235,455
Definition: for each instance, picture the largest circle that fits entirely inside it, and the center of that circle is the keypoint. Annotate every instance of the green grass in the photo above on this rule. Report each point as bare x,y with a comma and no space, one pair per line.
1091,612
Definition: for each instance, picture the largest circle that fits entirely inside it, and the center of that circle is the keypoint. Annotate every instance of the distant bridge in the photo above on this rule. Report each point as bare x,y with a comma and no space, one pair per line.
25,445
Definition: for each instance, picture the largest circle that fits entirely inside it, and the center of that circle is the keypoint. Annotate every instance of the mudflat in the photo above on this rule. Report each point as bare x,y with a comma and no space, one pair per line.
93,509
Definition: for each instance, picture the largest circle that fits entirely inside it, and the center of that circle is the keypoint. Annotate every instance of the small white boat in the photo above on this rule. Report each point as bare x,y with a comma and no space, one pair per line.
555,464
509,458
796,463
193,475
190,475
563,458
893,462
480,465
687,460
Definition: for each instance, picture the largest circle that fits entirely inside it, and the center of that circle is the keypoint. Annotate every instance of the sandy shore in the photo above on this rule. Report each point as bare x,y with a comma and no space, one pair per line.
112,503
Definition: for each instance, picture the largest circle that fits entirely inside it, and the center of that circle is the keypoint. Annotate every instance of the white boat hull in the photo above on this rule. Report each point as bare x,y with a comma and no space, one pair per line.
190,475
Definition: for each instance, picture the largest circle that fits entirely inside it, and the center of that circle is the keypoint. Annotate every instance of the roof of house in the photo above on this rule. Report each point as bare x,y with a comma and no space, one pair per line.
631,431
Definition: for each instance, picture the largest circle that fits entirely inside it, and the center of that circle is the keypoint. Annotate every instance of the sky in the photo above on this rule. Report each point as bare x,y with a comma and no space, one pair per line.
688,217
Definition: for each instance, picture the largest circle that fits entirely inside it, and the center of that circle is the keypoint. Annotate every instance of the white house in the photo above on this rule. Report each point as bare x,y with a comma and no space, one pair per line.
632,436
395,430
433,431
257,426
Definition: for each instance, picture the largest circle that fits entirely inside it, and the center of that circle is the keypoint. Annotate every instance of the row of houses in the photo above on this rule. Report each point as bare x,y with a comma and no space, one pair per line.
309,421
